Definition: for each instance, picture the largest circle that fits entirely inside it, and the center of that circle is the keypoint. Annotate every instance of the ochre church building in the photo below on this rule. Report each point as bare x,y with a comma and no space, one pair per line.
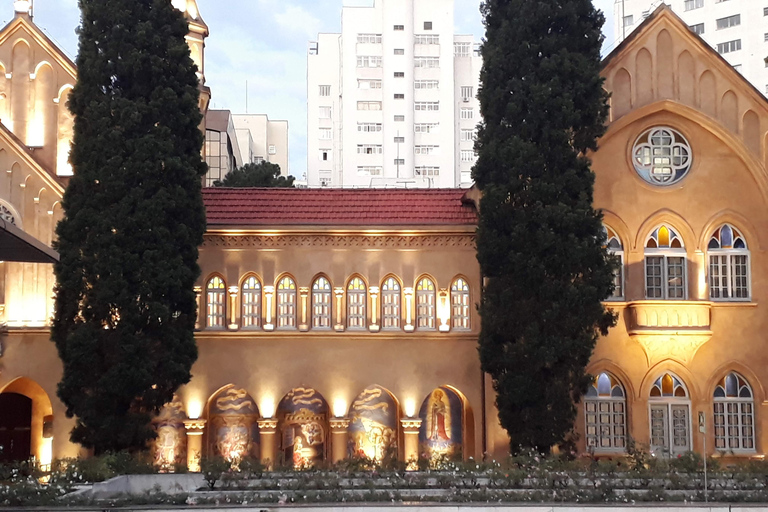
335,323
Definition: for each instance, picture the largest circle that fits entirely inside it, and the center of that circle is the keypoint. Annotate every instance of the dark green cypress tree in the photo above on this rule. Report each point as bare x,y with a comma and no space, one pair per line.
134,218
540,242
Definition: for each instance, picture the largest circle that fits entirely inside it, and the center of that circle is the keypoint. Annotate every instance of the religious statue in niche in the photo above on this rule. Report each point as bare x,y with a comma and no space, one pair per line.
373,424
442,416
234,429
170,446
303,423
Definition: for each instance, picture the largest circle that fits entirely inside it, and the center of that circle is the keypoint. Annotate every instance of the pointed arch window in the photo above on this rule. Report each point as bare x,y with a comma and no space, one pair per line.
286,303
356,304
665,265
670,410
460,304
390,303
215,302
321,304
729,275
425,304
605,408
250,298
734,414
614,246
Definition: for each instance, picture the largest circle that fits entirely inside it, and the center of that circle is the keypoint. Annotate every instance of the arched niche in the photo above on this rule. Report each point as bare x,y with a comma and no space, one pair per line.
233,429
644,77
621,99
686,79
729,111
442,424
169,449
373,421
64,133
302,417
708,94
20,85
751,123
665,65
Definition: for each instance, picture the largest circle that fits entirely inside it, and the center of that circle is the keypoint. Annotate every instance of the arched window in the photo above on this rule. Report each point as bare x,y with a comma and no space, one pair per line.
670,415
614,246
728,264
662,156
390,303
605,411
425,304
460,304
215,301
321,304
286,303
665,267
734,414
250,298
356,302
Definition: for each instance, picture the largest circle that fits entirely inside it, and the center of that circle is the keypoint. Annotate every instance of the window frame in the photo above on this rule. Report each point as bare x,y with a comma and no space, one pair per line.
396,313
281,316
253,317
726,415
665,253
426,312
597,399
729,253
669,402
314,315
610,234
220,292
361,302
467,311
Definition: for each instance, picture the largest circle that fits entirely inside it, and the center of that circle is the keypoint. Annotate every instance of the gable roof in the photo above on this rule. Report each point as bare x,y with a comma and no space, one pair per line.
337,207
24,22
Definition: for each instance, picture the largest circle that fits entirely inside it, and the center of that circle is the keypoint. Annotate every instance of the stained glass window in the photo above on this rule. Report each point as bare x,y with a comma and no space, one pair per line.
425,304
734,414
356,304
215,302
390,303
670,416
661,156
250,299
321,304
286,303
460,304
605,412
729,277
665,265
614,246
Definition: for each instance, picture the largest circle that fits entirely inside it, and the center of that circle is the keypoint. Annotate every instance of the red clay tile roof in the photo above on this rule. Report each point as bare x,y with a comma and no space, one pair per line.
337,207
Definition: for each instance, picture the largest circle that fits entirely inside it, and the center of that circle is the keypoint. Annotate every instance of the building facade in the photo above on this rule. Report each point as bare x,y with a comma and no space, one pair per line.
222,146
262,140
737,29
391,101
339,322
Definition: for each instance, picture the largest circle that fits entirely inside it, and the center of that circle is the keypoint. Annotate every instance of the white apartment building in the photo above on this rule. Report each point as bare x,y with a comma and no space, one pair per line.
261,139
737,29
392,99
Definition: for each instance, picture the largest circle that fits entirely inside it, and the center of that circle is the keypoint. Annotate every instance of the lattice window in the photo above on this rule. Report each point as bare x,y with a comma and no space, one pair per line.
605,408
460,304
286,303
669,408
665,265
729,274
662,156
390,303
215,301
425,304
356,304
250,298
321,304
734,414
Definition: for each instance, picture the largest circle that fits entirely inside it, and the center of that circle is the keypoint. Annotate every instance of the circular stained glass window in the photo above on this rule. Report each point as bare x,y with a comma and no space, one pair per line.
661,156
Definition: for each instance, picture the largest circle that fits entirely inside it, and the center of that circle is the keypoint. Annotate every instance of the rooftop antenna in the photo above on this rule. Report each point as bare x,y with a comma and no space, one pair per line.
246,96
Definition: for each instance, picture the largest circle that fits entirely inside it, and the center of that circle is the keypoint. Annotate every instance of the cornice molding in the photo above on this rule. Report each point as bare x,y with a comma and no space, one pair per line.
321,240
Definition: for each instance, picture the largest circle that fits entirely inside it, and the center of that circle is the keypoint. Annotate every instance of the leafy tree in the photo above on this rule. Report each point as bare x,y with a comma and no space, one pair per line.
540,242
263,174
134,218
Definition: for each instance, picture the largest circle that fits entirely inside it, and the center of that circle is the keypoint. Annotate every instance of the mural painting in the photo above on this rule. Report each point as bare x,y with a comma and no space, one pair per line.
303,423
170,446
234,428
373,419
442,424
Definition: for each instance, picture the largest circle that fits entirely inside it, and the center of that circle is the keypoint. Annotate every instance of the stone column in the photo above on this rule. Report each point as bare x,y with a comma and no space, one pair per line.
269,293
339,293
408,292
233,307
198,293
374,291
411,428
268,441
304,309
194,429
339,438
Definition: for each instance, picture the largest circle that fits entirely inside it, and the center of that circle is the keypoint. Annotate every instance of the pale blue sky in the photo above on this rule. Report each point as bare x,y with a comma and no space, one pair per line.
263,42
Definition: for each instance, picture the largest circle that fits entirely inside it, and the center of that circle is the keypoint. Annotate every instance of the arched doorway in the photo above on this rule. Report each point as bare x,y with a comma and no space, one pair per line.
15,427
670,416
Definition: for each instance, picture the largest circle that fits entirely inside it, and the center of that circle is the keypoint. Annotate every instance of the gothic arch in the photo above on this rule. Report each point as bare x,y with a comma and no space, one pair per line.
734,366
671,218
733,218
677,369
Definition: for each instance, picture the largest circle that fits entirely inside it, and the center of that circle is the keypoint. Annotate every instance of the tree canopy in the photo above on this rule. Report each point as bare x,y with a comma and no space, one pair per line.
262,174
540,242
133,220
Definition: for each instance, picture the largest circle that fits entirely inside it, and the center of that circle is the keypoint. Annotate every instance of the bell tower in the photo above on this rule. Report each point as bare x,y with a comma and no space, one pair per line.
198,31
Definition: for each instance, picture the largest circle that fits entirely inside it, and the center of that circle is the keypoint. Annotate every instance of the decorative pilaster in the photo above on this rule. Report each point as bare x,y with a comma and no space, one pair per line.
339,438
269,294
198,293
268,441
339,293
408,292
195,430
304,309
374,291
444,310
411,428
233,307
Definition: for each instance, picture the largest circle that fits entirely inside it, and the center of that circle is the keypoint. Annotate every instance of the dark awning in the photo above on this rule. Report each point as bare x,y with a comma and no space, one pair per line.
16,245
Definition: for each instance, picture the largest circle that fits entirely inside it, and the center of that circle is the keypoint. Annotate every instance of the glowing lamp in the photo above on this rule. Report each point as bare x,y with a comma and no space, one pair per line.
194,409
339,408
267,407
410,407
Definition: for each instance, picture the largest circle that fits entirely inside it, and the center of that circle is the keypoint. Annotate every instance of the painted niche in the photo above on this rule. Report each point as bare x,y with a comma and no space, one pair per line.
442,424
170,446
373,419
233,425
303,422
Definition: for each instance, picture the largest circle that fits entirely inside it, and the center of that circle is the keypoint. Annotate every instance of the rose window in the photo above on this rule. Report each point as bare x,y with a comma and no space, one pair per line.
661,156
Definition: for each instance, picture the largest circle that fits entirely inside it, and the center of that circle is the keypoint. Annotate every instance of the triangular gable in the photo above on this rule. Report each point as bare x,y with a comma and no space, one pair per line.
23,23
22,153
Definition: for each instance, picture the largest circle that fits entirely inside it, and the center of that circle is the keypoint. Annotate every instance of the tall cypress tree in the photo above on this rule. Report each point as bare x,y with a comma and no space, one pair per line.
540,242
134,218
